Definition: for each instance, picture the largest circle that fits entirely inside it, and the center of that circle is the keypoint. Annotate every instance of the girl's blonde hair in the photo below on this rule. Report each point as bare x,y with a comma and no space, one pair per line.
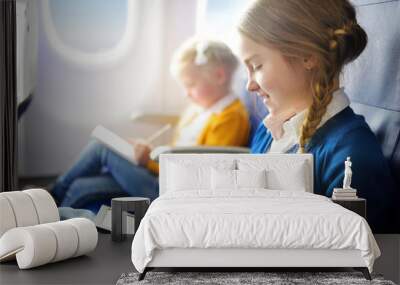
205,54
326,29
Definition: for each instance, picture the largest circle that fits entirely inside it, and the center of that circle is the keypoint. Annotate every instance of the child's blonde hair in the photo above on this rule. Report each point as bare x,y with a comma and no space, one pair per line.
326,29
204,54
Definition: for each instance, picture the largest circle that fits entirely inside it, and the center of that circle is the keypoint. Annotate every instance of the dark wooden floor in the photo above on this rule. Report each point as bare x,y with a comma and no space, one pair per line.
102,266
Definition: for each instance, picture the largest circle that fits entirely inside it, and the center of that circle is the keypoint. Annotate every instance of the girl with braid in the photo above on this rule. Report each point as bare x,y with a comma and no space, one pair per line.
294,51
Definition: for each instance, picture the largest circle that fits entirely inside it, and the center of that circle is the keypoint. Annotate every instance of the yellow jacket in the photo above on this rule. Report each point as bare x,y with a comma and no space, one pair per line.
230,127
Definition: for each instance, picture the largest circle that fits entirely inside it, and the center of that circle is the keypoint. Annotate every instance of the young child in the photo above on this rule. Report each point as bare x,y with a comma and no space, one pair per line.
294,52
216,118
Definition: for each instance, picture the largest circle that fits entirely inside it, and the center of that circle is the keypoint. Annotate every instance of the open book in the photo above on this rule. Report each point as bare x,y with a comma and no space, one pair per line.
114,142
120,145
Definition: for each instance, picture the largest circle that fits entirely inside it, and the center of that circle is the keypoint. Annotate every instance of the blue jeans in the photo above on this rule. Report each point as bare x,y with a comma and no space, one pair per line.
101,174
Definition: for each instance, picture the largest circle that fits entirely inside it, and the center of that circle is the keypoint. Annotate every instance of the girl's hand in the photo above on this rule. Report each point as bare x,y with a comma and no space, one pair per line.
141,152
274,122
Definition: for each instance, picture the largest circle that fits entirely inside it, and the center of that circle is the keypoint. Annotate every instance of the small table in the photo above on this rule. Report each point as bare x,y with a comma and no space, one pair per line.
120,207
358,206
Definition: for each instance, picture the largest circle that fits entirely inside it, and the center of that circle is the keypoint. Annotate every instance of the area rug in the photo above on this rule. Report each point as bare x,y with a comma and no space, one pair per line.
243,278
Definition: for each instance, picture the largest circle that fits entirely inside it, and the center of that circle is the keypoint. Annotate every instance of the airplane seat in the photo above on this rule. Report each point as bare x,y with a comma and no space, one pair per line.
373,80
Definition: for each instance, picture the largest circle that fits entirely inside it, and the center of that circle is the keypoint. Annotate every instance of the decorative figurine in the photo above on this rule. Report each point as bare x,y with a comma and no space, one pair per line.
347,192
347,174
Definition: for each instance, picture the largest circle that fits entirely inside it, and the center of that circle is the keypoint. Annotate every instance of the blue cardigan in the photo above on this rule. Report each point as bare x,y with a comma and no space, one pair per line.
347,134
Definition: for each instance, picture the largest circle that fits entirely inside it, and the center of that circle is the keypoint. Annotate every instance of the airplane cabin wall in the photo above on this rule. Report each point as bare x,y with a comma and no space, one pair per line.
71,99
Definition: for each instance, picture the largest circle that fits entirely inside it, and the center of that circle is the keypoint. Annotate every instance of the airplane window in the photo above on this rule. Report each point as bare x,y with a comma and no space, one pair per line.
89,25
90,31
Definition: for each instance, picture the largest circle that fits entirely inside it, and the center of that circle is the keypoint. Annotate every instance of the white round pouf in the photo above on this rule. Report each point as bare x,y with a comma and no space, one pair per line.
30,230
45,206
67,240
87,235
23,208
32,246
7,218
40,244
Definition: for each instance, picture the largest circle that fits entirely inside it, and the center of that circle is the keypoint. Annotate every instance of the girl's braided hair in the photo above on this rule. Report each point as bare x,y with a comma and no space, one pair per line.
325,29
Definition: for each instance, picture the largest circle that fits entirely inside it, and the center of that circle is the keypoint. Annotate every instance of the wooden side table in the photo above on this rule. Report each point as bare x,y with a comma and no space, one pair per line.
358,206
120,207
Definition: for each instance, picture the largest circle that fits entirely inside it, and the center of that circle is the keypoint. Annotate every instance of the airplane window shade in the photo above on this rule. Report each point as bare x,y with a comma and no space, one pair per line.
90,32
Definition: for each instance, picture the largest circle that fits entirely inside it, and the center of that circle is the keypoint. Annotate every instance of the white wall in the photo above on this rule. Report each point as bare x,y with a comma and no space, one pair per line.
70,100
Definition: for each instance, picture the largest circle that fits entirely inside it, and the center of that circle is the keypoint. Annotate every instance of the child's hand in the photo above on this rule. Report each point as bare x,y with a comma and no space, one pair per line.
141,152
